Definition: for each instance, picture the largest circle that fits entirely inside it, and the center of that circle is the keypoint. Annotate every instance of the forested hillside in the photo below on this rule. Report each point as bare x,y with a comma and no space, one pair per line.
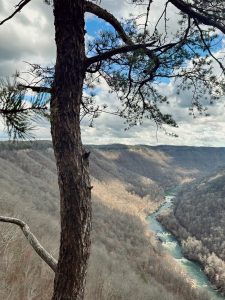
126,261
166,165
198,220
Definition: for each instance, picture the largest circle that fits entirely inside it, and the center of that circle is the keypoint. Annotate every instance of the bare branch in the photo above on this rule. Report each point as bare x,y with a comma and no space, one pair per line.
18,9
208,48
39,249
4,111
147,16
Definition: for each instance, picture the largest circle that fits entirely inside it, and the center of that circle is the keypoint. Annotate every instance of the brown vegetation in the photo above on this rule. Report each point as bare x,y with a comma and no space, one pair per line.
126,260
198,221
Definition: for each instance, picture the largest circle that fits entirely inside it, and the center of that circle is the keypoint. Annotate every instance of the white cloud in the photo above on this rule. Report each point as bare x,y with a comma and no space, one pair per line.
29,36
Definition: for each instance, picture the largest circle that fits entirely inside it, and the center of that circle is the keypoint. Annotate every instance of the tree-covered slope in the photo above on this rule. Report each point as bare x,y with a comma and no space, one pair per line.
126,261
198,220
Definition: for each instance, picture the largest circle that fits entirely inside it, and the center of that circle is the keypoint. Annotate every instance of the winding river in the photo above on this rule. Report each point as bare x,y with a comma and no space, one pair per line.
171,245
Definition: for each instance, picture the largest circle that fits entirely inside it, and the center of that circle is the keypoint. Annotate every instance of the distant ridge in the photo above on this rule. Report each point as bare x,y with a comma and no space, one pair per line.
47,143
164,164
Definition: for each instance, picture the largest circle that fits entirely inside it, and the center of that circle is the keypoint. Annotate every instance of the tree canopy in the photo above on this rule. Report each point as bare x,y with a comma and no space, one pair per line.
133,57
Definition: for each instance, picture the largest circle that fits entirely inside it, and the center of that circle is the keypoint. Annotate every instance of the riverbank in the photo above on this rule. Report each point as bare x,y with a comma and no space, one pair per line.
193,249
172,246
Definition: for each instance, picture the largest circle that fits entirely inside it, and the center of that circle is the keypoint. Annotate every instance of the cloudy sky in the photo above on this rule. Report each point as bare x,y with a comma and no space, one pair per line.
30,37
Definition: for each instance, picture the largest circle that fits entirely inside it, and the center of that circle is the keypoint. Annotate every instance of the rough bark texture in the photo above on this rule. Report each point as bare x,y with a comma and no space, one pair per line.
71,163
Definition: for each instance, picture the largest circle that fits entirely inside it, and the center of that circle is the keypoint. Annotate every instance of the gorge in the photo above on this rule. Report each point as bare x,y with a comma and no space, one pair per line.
127,261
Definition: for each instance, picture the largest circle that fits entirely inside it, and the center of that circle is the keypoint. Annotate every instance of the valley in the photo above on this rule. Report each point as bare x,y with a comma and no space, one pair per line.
174,248
198,221
127,260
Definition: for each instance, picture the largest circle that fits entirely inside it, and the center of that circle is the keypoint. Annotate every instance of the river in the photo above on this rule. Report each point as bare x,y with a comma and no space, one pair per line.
172,246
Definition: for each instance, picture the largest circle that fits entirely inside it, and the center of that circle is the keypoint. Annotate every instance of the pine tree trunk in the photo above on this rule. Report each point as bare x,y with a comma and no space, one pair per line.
73,178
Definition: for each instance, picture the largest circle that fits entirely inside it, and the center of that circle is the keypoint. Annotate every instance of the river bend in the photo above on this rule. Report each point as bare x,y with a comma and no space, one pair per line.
172,246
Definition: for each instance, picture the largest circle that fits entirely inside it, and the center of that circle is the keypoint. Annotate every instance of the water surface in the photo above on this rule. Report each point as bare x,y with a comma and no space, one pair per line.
171,245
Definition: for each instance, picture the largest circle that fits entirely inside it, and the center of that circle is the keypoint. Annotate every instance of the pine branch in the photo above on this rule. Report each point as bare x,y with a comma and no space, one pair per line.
208,48
109,18
37,89
6,111
187,9
19,112
35,244
110,53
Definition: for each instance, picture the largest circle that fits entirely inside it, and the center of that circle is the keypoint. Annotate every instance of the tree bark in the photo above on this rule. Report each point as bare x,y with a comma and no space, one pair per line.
72,164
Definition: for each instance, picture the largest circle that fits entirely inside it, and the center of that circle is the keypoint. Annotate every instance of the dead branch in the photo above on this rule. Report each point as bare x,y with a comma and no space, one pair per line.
18,9
35,244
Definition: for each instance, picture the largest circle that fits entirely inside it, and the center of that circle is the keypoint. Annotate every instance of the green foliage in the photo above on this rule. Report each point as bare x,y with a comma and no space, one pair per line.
183,59
19,110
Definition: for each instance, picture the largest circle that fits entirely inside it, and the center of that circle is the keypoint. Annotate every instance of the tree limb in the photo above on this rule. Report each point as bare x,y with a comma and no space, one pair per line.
37,89
187,9
208,48
39,249
147,16
18,9
109,18
123,49
5,111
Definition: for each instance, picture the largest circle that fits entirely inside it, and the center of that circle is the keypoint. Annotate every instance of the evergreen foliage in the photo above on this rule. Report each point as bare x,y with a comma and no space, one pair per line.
133,63
19,110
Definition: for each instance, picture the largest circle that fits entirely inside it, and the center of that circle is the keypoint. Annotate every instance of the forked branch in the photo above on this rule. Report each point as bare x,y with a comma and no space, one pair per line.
38,248
109,18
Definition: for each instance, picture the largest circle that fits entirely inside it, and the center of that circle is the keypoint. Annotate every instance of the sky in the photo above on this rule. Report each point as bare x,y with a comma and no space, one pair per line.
29,37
